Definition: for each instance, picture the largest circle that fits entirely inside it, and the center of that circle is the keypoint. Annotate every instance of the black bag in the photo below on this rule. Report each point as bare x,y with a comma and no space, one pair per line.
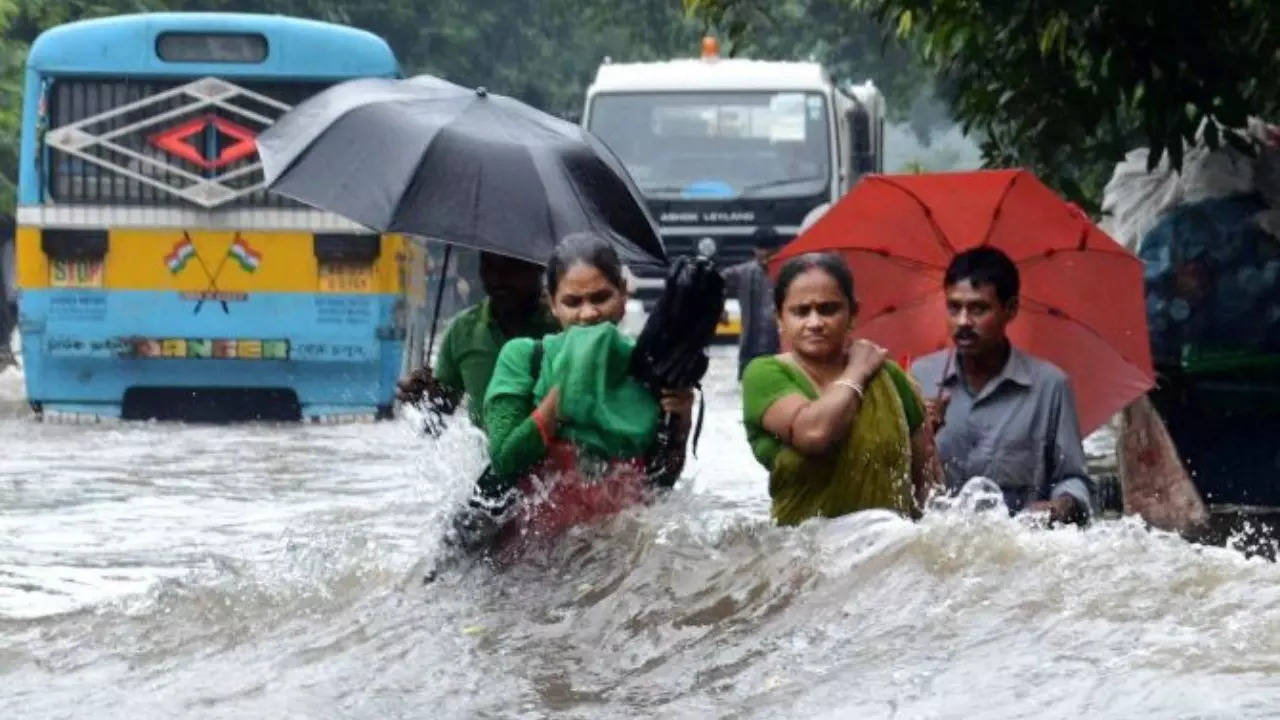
671,349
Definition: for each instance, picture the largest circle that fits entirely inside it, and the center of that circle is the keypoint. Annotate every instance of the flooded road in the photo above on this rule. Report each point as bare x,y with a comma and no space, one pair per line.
162,570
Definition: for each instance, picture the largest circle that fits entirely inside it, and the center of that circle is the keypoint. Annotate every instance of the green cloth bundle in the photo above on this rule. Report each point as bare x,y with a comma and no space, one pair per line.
603,409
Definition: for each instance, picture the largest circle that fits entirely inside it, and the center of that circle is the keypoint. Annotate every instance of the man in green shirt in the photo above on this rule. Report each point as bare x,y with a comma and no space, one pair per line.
469,348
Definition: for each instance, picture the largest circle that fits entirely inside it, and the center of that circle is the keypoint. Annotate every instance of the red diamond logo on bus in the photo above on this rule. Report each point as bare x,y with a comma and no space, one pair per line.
176,141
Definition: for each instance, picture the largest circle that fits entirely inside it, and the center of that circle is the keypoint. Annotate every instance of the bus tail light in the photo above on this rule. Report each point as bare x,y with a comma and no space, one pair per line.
75,257
345,261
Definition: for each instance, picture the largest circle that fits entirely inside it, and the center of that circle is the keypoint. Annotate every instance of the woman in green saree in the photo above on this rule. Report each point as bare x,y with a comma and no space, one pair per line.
568,425
839,427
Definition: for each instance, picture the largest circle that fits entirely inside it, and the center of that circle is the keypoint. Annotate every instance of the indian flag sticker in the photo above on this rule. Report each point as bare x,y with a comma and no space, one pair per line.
248,258
177,258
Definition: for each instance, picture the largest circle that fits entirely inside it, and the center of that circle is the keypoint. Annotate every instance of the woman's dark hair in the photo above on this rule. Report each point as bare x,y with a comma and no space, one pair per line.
830,263
588,249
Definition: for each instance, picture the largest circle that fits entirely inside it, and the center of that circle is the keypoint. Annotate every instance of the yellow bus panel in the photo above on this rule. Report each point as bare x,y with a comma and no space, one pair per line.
215,261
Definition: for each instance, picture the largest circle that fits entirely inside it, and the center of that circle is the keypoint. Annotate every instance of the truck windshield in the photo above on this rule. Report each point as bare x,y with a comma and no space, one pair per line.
718,144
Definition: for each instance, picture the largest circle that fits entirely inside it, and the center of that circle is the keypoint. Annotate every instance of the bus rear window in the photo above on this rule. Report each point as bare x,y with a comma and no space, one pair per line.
211,47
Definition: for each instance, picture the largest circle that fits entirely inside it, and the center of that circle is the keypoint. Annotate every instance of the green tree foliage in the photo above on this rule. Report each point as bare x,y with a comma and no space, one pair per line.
1065,86
11,58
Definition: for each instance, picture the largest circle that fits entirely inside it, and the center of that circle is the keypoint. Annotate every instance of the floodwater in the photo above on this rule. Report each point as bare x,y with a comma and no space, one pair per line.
164,570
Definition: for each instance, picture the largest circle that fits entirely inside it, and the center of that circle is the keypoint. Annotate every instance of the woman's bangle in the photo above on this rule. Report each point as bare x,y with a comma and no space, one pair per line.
543,426
852,386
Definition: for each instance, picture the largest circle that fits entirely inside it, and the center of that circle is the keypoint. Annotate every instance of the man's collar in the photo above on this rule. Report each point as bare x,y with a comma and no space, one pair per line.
951,369
1016,369
486,315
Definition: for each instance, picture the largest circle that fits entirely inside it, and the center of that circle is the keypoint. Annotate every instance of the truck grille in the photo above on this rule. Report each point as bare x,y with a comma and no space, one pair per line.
167,143
730,250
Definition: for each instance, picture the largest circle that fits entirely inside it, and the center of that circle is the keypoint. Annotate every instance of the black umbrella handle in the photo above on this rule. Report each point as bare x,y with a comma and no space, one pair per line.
435,312
668,425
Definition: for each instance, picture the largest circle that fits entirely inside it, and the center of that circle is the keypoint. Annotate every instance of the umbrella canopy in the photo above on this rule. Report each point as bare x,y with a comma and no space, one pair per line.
426,157
1082,305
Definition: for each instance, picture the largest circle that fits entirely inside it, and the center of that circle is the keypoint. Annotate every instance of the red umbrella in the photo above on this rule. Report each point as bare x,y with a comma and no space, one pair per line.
1082,304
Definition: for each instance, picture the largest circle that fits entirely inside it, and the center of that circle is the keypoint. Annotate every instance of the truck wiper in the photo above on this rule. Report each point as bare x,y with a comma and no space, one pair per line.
783,181
662,188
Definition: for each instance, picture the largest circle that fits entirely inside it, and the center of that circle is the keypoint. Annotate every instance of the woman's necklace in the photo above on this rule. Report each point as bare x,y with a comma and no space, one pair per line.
819,379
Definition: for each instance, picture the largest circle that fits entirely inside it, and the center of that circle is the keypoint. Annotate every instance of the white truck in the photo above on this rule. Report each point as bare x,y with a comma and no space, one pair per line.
722,148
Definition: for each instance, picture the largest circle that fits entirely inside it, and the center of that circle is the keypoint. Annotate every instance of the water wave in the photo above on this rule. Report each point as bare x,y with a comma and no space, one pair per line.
164,570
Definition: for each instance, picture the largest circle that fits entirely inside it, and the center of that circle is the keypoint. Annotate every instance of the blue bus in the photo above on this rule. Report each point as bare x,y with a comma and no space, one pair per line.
156,277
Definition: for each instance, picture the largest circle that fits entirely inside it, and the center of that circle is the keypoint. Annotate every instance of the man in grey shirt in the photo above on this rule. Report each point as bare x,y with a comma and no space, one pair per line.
999,412
749,281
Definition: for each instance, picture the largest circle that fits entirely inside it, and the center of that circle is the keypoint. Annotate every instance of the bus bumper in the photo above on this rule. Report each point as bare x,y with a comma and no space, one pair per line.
102,353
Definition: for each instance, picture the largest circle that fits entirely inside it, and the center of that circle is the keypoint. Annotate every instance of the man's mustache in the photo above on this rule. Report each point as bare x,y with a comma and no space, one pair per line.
965,335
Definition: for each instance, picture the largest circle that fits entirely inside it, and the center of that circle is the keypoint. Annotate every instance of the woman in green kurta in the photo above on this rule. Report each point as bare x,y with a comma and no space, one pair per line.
566,420
839,427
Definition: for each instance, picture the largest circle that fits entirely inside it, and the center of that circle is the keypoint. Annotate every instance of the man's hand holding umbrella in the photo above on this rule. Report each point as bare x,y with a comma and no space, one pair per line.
935,410
421,385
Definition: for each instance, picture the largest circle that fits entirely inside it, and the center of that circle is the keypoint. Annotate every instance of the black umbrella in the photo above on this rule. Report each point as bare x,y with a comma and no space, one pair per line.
429,158
671,351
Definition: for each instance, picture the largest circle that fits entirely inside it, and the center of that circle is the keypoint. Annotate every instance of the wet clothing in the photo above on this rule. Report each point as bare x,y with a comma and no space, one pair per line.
770,379
604,412
750,283
870,468
470,349
569,489
1020,431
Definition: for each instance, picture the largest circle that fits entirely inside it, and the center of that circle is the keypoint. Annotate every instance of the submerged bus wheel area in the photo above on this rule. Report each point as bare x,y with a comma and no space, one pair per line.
216,405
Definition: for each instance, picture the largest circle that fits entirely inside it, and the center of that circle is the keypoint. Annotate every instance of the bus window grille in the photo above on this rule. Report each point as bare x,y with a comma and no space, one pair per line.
75,180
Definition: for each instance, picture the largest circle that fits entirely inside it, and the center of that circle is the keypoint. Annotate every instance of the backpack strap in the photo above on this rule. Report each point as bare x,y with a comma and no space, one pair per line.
702,414
535,361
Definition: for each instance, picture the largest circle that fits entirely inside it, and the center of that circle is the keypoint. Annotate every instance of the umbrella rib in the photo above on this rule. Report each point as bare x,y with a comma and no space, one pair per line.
1085,224
551,227
909,263
1047,309
899,307
582,205
1049,255
995,214
608,159
417,170
928,214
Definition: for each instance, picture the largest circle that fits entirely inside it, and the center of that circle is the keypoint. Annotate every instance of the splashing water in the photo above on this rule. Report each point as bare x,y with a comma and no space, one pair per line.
162,570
